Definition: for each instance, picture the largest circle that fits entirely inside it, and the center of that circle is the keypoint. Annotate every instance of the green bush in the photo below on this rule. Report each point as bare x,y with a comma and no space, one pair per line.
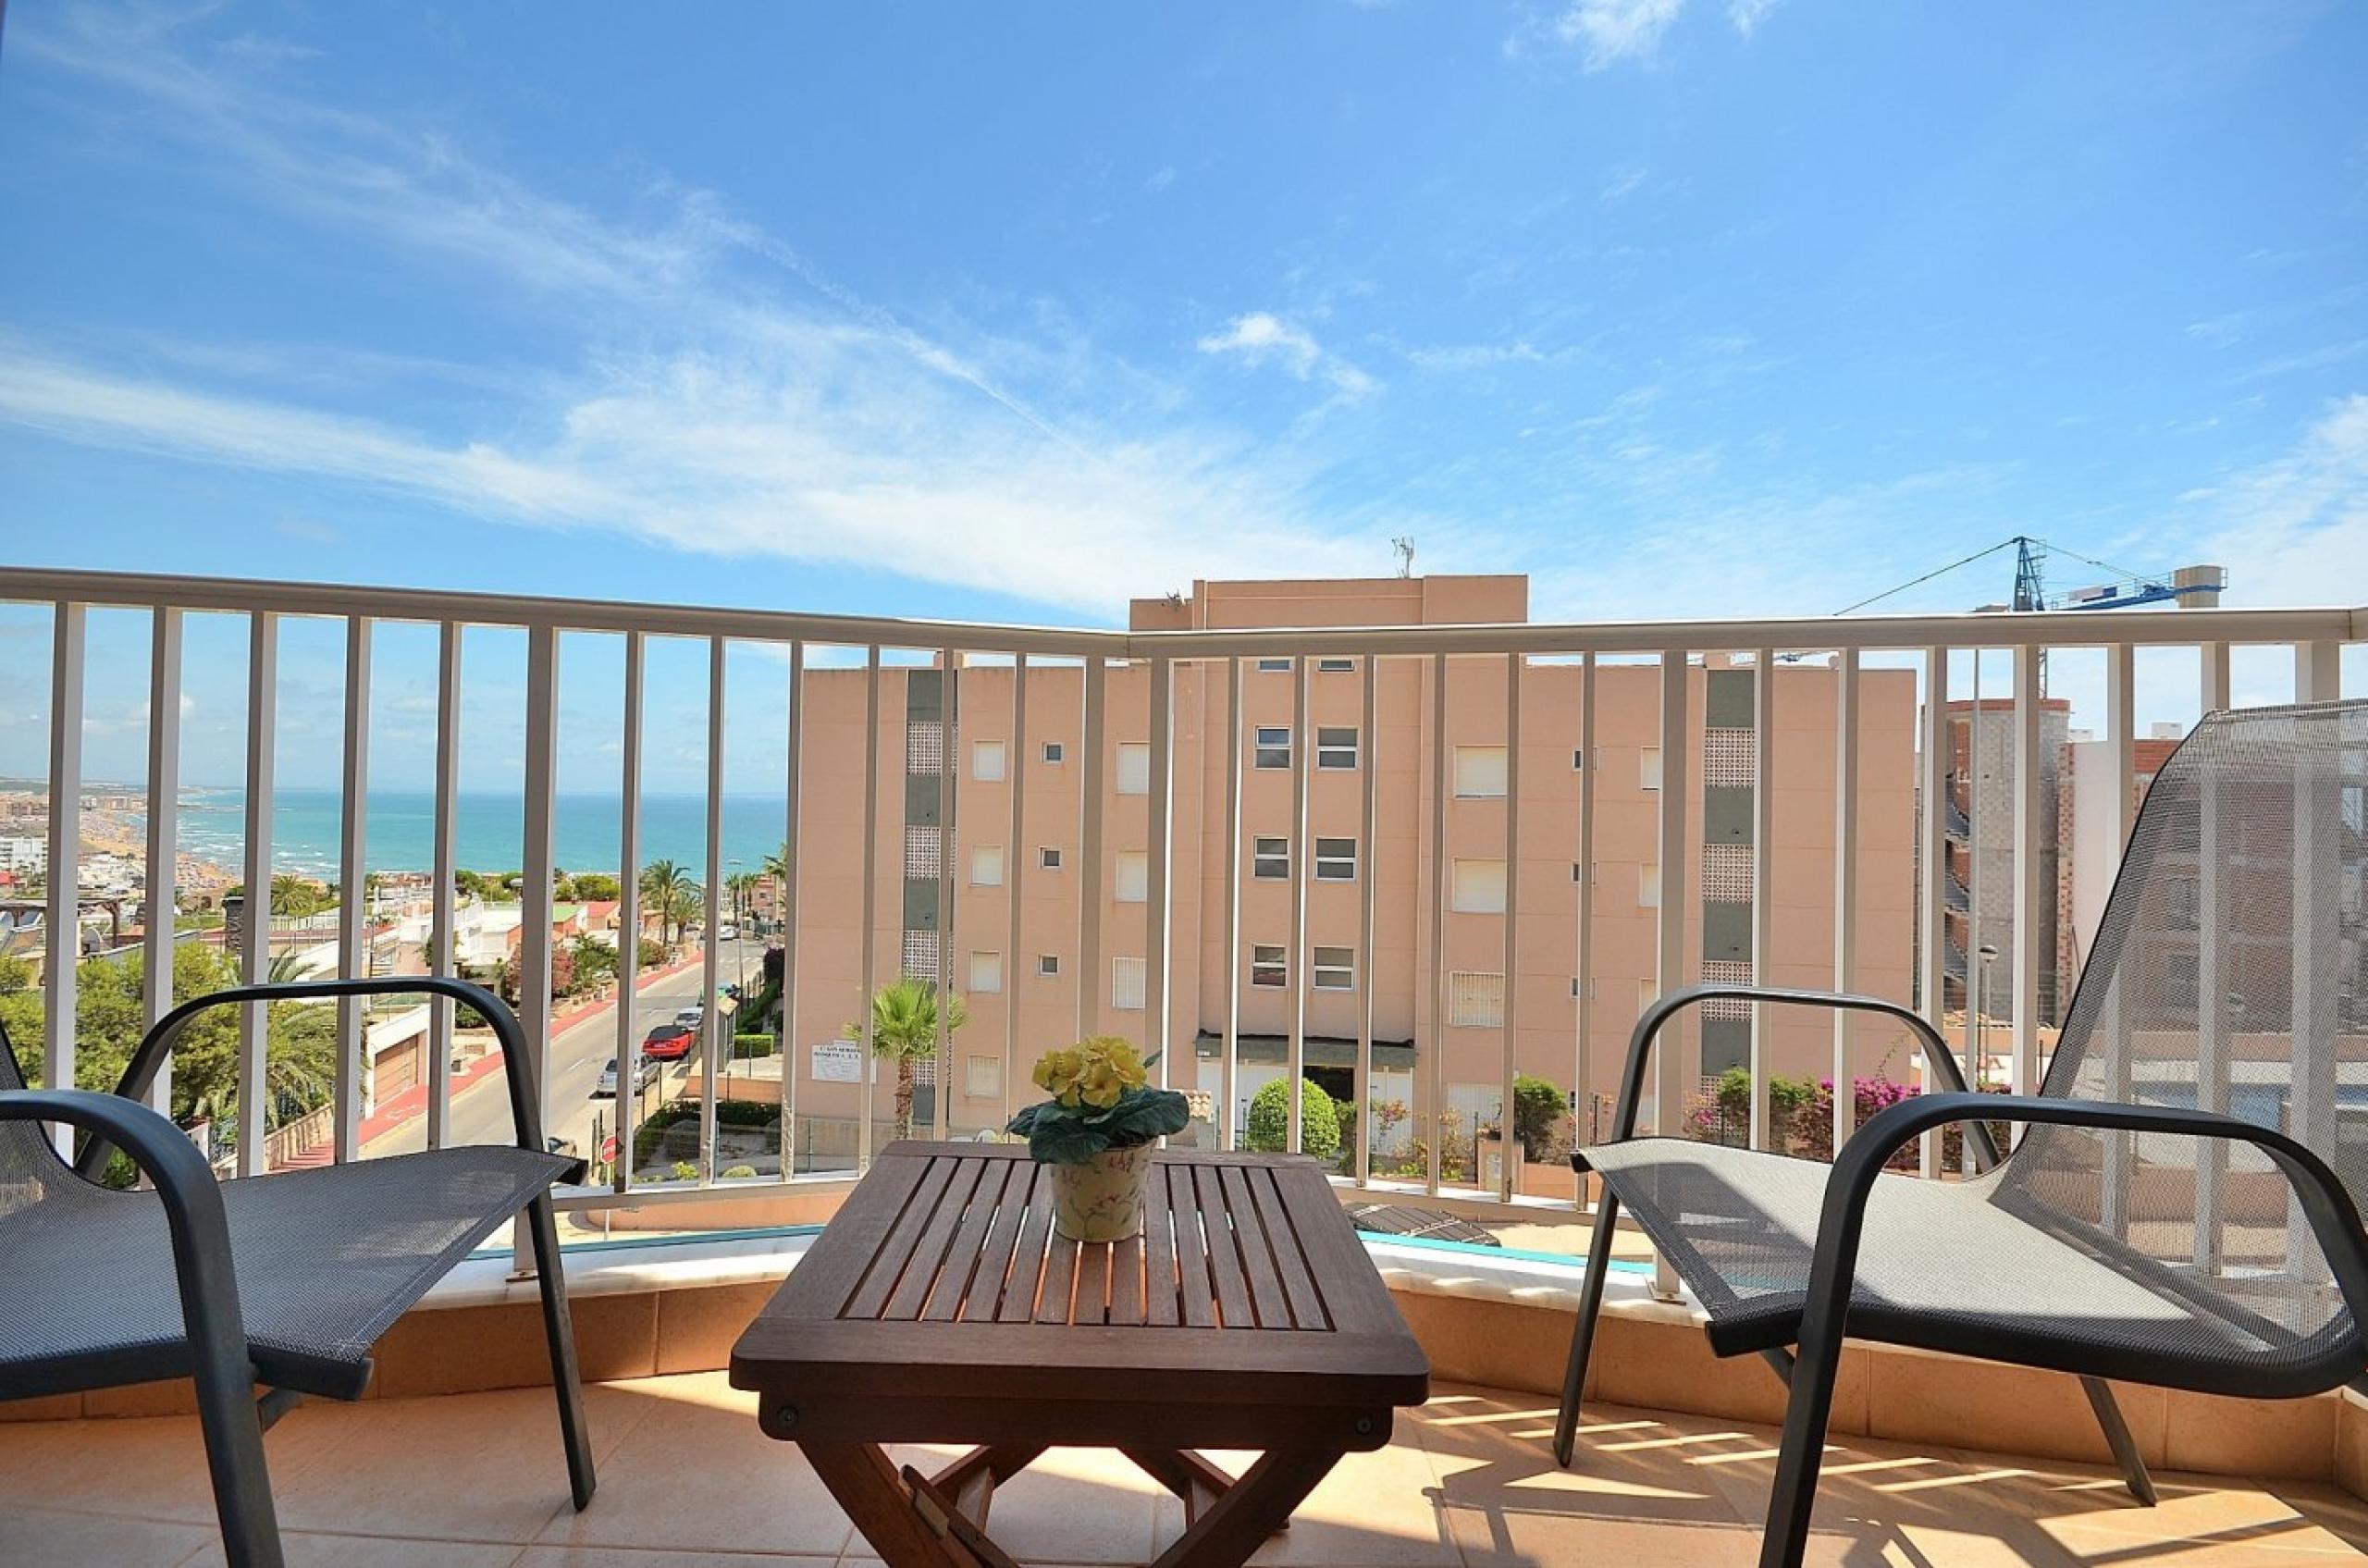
1319,1121
739,1172
751,1047
1538,1109
686,1171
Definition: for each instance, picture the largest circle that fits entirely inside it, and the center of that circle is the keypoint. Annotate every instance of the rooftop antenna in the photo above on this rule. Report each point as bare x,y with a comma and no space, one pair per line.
1404,545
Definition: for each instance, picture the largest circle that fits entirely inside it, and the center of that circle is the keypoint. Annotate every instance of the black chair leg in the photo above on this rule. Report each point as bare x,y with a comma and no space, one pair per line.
560,1331
226,1415
1574,1372
1808,1409
2134,1473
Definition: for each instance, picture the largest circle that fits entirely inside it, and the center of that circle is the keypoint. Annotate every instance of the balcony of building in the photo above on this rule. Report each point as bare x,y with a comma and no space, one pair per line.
1433,869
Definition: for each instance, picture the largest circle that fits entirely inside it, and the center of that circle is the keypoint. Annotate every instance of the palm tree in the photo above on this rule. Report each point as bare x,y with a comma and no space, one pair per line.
775,870
663,884
904,1029
743,886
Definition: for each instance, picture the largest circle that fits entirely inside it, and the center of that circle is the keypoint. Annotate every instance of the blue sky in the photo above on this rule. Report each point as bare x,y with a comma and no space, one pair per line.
1682,307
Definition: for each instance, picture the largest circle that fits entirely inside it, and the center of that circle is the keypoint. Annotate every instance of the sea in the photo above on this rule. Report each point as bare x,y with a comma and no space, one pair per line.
488,830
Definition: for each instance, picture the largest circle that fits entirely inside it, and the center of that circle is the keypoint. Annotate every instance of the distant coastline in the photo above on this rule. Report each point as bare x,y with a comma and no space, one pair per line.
488,830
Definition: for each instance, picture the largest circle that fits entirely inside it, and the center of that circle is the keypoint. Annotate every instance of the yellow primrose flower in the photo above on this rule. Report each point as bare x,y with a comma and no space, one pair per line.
1103,1084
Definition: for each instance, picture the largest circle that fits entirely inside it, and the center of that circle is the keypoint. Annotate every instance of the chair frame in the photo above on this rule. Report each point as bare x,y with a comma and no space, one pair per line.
1809,1372
231,1418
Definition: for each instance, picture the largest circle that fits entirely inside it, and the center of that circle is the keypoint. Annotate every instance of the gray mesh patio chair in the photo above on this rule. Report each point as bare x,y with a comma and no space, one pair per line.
283,1280
2181,1207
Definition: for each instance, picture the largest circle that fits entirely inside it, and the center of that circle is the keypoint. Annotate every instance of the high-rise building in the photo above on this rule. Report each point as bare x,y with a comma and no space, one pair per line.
948,892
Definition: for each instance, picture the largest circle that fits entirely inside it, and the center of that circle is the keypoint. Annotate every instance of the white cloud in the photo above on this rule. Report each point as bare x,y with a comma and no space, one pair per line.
1474,356
2294,530
1263,338
1624,182
1748,14
730,396
1612,31
1161,179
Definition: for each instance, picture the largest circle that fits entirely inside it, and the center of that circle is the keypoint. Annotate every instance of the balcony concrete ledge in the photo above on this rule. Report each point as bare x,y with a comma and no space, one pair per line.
675,1305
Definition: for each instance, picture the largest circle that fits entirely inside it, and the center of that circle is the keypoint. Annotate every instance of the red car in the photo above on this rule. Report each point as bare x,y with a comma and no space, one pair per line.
670,1042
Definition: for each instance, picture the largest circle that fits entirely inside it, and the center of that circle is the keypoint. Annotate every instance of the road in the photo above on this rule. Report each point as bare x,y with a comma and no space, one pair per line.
481,1115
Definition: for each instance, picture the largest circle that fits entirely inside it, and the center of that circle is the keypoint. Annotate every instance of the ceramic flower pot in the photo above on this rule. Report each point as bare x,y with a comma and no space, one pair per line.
1101,1199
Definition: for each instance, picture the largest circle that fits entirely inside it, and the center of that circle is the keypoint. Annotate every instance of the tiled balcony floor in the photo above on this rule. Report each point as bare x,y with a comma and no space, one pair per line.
475,1481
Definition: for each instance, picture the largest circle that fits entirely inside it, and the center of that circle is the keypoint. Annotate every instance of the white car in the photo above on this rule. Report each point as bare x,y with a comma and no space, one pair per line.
691,1017
645,1073
727,933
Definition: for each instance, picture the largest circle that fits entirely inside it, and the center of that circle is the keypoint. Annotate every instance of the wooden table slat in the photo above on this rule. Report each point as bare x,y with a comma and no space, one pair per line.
1224,1252
1060,1279
1290,1259
1093,1283
966,1269
1127,1280
1159,1252
928,1261
1355,1297
1257,1250
896,1251
1027,1255
987,1286
1199,1306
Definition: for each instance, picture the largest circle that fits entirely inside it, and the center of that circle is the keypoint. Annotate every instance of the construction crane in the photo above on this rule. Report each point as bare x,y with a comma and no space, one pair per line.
2187,585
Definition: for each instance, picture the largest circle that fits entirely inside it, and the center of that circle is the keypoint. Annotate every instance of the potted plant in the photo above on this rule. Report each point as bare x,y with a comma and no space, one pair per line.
1096,1134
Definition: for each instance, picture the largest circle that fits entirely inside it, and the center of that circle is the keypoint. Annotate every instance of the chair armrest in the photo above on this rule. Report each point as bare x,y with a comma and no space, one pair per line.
193,1212
1640,1043
525,1104
2327,1206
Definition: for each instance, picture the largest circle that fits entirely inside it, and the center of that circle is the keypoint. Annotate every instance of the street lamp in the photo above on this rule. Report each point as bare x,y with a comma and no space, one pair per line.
1989,955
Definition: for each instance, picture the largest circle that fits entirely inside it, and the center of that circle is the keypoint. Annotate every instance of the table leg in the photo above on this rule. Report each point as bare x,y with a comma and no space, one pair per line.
864,1484
1252,1509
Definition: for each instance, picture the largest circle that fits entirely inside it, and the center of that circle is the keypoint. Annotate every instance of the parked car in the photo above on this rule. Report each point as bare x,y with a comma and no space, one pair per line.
670,1042
691,1017
645,1073
727,933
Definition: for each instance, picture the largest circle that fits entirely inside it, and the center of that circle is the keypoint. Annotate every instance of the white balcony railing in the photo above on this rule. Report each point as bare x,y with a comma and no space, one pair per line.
1869,735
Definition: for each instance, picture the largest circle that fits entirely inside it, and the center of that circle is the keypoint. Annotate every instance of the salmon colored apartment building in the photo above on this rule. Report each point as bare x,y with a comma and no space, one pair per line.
944,896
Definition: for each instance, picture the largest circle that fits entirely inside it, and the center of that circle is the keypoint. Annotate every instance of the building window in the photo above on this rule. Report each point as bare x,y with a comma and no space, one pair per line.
986,865
1336,666
1475,1000
1727,759
1267,968
1270,860
1127,984
924,745
1579,988
1335,747
1649,768
1726,872
986,760
1048,964
1648,887
1726,971
1054,752
1132,884
1273,666
1578,870
1479,887
1479,771
1048,858
1336,859
1335,969
1578,761
1134,767
921,852
986,973
982,1077
1274,746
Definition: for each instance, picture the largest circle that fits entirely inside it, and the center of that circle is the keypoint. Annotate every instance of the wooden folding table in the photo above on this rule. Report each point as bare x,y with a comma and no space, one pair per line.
939,1307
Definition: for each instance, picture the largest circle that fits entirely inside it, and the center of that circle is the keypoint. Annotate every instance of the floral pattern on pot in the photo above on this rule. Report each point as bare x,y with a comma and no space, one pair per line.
1101,1199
